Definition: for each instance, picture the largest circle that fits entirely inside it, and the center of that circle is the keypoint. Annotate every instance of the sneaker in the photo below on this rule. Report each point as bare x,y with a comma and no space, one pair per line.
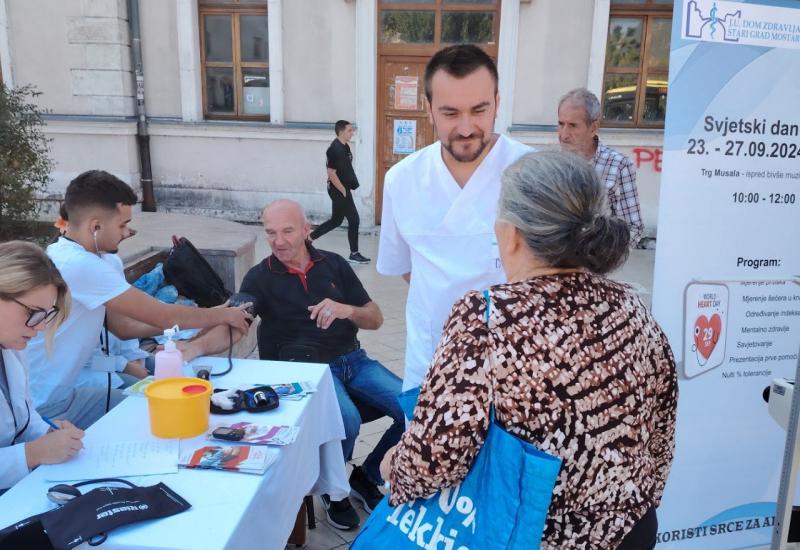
363,490
340,513
357,258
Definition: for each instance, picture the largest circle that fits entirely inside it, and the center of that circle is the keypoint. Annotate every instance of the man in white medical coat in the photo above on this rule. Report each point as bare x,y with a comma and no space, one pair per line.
439,203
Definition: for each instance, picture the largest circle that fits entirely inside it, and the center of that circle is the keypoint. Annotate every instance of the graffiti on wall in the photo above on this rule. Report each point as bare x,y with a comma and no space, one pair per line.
648,155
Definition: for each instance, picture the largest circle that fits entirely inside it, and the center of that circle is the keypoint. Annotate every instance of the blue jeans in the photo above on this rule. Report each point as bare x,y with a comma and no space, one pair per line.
359,379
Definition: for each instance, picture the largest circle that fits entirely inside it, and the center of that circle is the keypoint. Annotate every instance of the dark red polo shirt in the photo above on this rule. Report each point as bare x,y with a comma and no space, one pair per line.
284,295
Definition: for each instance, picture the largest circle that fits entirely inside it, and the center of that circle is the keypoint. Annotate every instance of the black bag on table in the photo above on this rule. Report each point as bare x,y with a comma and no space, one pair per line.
192,275
254,400
89,517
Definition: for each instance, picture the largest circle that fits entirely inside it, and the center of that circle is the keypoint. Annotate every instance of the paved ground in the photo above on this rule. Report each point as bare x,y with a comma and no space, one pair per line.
388,343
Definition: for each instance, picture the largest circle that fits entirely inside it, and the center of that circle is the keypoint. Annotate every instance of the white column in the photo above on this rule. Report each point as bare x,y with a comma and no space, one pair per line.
597,52
275,17
366,60
507,62
5,46
189,60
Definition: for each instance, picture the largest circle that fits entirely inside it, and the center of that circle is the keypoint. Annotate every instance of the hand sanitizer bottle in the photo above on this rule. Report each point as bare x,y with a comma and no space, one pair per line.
169,361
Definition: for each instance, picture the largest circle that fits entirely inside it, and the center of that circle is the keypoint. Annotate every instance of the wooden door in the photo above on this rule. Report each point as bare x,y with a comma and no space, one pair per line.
398,76
409,33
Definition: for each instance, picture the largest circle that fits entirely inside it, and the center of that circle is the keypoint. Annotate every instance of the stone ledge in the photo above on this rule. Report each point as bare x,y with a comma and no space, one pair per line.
214,238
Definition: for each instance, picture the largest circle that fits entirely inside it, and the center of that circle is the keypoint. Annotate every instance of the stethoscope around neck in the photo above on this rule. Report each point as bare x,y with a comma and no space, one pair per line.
27,421
18,432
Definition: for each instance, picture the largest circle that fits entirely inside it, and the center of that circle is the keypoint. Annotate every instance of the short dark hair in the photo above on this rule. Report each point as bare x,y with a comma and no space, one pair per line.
340,126
459,61
96,188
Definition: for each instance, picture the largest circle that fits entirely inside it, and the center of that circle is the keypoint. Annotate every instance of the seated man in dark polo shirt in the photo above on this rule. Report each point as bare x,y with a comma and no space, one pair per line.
311,305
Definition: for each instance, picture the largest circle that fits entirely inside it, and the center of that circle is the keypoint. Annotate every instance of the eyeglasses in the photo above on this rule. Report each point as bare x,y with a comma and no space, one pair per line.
36,316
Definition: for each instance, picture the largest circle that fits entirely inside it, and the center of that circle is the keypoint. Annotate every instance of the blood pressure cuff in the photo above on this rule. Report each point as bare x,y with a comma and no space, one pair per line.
89,517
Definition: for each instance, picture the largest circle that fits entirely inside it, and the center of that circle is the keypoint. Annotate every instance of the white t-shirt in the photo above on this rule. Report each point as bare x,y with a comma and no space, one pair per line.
92,280
444,235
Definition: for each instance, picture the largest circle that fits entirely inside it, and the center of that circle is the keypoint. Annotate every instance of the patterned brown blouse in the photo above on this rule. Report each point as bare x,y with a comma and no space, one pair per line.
573,363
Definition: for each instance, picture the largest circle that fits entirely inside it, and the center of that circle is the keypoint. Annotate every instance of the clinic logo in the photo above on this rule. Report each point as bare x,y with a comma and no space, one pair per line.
705,22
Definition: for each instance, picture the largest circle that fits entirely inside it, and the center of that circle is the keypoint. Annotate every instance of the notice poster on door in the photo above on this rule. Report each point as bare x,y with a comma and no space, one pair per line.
405,137
725,287
405,93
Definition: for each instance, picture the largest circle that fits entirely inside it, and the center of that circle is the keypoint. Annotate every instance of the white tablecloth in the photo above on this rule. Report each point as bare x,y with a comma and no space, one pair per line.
229,510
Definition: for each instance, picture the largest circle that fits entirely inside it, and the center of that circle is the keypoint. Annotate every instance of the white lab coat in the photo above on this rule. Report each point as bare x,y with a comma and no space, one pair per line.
444,235
13,466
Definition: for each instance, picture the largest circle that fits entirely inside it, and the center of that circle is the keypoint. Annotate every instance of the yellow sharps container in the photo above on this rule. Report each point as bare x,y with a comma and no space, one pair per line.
179,407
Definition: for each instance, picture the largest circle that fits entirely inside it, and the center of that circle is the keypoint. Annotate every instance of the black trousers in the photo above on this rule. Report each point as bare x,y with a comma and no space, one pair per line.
643,534
342,207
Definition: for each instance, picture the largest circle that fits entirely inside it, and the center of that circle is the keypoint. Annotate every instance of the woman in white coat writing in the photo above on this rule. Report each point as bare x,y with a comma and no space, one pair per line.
33,298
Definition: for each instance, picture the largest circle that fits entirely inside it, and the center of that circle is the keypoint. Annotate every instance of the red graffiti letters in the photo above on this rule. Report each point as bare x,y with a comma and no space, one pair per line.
646,155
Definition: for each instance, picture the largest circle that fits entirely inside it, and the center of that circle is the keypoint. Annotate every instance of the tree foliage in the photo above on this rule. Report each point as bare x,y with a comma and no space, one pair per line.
25,162
624,45
456,27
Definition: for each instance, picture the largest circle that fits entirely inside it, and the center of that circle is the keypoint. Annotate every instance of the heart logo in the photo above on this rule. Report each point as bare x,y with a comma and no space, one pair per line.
706,334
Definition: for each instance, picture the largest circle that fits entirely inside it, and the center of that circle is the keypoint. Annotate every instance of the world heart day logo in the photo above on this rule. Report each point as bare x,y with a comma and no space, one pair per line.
704,332
706,335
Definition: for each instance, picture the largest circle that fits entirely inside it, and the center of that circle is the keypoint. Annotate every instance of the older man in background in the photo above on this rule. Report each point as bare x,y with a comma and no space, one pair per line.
578,121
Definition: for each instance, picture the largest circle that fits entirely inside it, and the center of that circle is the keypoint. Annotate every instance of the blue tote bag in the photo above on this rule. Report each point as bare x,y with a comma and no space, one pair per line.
502,503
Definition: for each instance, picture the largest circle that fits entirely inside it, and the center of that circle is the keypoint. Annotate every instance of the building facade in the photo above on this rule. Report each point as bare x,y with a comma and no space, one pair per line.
240,96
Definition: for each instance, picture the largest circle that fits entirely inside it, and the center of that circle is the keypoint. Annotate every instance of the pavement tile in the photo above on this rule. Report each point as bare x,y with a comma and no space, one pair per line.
322,537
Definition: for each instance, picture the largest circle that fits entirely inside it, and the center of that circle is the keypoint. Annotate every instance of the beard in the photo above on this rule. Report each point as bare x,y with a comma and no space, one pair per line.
469,155
569,147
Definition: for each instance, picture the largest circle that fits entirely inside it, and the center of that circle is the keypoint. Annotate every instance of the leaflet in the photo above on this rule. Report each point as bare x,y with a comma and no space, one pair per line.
293,391
232,458
255,434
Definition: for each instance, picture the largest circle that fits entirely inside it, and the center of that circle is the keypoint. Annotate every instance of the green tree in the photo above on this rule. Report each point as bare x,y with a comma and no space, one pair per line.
25,162
467,28
624,45
408,26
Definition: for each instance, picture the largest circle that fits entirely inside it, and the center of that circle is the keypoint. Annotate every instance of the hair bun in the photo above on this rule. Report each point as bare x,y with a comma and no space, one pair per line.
603,243
558,204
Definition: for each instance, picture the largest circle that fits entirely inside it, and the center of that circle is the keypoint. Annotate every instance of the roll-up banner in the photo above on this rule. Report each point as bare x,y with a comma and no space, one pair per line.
726,287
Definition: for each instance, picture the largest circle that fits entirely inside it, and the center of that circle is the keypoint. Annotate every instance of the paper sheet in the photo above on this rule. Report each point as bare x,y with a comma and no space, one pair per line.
118,459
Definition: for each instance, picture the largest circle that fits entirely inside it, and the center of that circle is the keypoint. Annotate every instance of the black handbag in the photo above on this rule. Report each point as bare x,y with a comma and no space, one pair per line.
193,276
254,400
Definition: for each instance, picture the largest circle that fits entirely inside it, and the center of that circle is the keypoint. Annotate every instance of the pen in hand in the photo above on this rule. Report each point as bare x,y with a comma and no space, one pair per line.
50,423
58,445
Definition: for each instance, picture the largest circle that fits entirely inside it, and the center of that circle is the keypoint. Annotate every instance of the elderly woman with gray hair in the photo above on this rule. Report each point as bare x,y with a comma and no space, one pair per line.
572,362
